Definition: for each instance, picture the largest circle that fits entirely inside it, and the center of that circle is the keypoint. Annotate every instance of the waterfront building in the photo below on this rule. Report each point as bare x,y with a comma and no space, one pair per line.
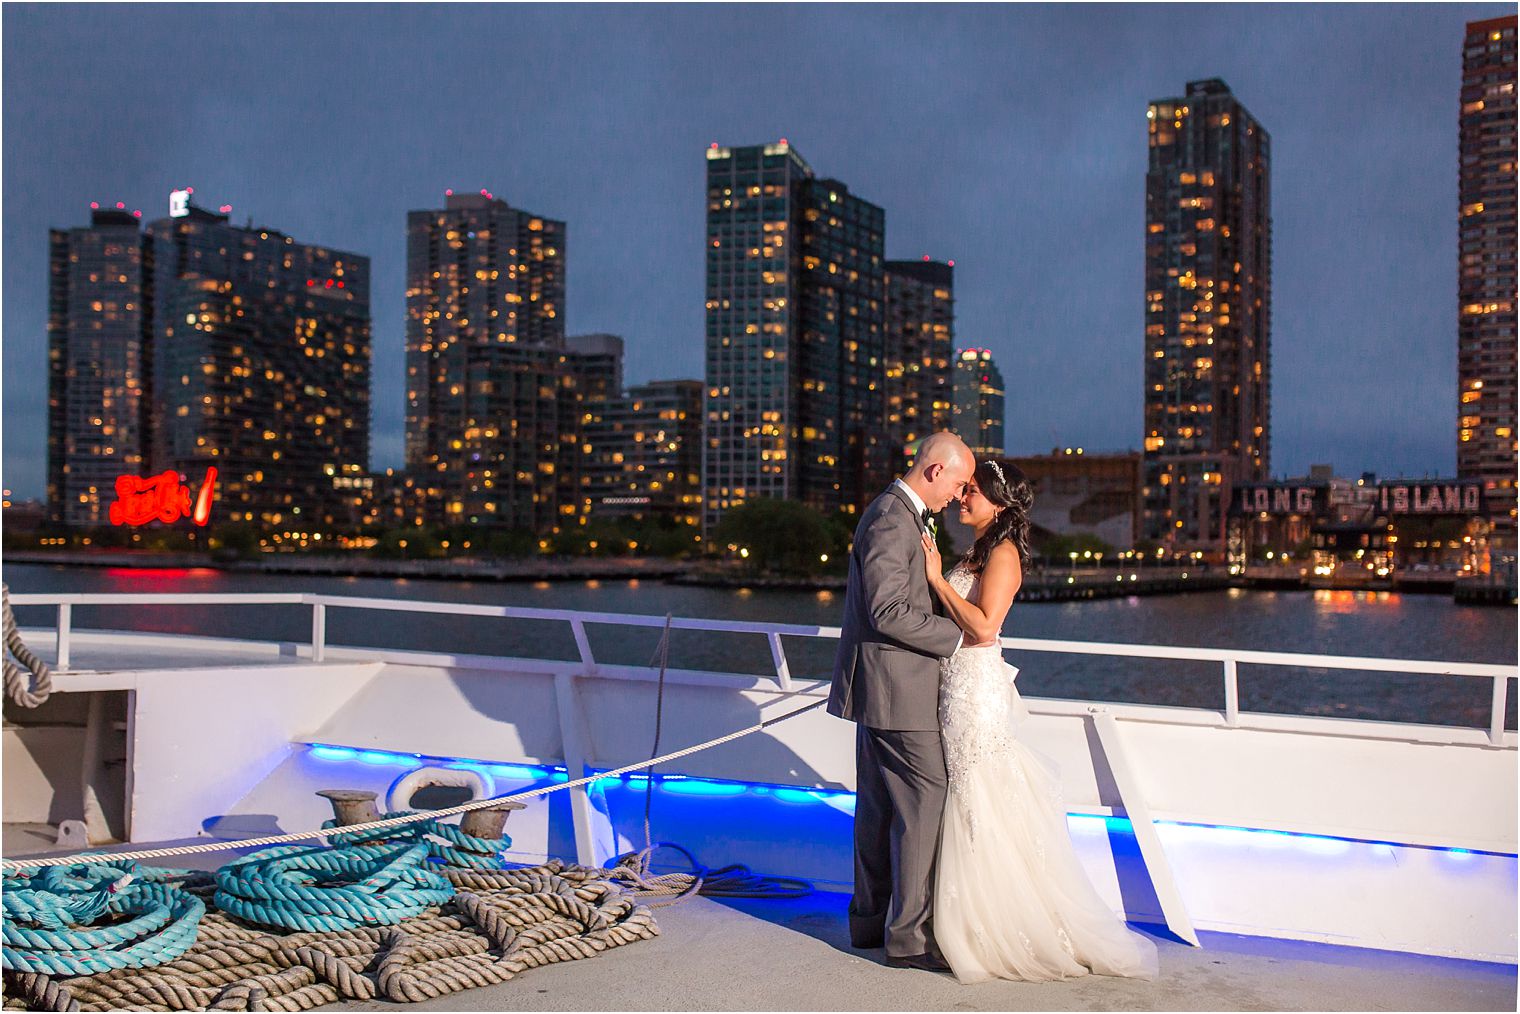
978,401
920,341
100,416
597,361
795,335
1208,298
1079,493
491,417
398,499
1486,293
646,453
22,515
261,370
1321,526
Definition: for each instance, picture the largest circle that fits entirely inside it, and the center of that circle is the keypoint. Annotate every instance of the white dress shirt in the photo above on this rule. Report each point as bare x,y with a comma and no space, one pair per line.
918,504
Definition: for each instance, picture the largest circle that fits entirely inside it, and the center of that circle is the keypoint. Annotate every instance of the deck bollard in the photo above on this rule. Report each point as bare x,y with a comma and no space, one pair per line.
351,806
487,822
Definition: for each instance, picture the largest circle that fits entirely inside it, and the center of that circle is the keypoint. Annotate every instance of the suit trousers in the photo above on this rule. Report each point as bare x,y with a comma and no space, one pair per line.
899,803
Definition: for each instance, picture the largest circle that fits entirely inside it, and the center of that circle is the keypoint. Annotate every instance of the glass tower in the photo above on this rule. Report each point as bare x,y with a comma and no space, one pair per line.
1208,300
261,368
978,395
1486,439
487,365
795,335
919,346
99,359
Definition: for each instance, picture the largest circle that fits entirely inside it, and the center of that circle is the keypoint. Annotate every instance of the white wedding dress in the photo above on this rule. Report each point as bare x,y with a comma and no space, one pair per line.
1011,900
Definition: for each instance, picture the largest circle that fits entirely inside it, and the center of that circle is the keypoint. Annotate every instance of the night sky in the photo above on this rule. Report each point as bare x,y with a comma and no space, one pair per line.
1009,139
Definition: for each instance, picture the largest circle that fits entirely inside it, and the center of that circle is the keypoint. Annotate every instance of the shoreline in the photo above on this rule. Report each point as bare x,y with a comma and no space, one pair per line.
1044,587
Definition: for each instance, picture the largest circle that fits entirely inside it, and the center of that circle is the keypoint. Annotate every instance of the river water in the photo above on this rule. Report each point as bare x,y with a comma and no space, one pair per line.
1377,624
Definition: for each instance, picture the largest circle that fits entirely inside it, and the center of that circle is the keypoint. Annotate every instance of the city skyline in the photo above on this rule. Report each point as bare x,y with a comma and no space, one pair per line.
1374,170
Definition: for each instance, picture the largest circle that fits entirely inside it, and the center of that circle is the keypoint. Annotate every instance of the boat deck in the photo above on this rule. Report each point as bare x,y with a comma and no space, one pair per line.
795,955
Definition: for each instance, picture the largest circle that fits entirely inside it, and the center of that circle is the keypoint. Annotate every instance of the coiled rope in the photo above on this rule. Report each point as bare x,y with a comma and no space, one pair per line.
496,926
25,688
444,842
47,917
325,890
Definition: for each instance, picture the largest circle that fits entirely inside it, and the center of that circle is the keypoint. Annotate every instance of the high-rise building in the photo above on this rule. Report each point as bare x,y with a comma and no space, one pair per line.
261,367
519,463
978,397
795,335
1486,293
598,361
486,365
646,453
99,362
920,340
1208,296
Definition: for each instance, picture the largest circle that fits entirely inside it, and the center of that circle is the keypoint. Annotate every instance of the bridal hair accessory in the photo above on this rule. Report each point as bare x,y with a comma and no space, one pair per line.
999,470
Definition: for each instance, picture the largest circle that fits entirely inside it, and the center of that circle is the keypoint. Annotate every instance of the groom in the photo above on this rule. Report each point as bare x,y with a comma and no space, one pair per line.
886,679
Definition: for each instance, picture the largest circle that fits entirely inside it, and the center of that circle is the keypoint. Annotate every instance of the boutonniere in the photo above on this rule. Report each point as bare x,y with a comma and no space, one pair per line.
933,530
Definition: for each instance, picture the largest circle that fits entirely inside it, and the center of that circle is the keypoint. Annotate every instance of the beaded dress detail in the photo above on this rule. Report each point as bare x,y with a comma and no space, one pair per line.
1011,898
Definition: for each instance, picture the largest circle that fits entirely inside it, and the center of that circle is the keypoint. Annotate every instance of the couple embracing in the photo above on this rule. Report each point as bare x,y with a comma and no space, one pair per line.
963,861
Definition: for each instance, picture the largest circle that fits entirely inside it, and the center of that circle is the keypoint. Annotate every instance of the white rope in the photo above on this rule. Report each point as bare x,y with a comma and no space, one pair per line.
477,804
16,687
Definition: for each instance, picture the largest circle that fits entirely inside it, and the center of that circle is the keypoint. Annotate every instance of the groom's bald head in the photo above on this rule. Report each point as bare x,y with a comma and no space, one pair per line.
941,470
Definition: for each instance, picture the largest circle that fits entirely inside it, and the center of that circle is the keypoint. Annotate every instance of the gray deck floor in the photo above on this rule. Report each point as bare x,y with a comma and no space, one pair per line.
795,955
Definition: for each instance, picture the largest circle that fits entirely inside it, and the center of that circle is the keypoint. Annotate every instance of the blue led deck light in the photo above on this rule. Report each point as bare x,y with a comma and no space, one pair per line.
695,786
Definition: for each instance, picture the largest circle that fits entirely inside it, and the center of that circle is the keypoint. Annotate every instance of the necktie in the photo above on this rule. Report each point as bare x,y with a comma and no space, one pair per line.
927,517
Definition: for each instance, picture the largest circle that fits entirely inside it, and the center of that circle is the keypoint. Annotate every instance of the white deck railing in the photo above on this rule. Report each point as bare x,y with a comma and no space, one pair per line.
1228,658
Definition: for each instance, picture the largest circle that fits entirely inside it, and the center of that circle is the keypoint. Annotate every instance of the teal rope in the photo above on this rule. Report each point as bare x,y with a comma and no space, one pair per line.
457,849
47,916
317,889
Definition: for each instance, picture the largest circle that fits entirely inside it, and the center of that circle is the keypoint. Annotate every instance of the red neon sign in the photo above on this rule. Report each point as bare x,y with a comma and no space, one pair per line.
161,497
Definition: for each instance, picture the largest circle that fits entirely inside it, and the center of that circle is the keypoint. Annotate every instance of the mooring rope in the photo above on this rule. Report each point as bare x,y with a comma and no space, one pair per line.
302,888
456,848
48,917
637,868
497,925
17,686
412,818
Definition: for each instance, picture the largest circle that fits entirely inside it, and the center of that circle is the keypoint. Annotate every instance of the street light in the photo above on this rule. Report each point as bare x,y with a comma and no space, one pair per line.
1073,555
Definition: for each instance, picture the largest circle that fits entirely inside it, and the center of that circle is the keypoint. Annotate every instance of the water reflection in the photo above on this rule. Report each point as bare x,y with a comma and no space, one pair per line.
1345,600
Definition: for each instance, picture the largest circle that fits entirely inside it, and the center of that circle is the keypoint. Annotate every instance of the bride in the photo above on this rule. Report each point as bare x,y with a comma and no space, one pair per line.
1011,901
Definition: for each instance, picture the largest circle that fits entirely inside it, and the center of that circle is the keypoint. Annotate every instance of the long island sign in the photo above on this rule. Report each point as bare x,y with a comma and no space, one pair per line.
1393,497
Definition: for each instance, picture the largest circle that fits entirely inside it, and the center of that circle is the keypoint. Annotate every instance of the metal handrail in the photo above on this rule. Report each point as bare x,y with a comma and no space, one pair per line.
1230,659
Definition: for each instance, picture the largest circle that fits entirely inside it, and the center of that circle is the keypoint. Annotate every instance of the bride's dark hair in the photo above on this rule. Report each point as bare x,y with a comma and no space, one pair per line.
1005,486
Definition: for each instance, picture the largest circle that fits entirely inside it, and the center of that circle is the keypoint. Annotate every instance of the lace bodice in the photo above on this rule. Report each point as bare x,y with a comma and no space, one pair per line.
977,698
1012,901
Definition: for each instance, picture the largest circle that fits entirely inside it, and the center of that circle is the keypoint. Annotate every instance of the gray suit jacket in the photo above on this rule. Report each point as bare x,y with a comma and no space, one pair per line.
886,674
